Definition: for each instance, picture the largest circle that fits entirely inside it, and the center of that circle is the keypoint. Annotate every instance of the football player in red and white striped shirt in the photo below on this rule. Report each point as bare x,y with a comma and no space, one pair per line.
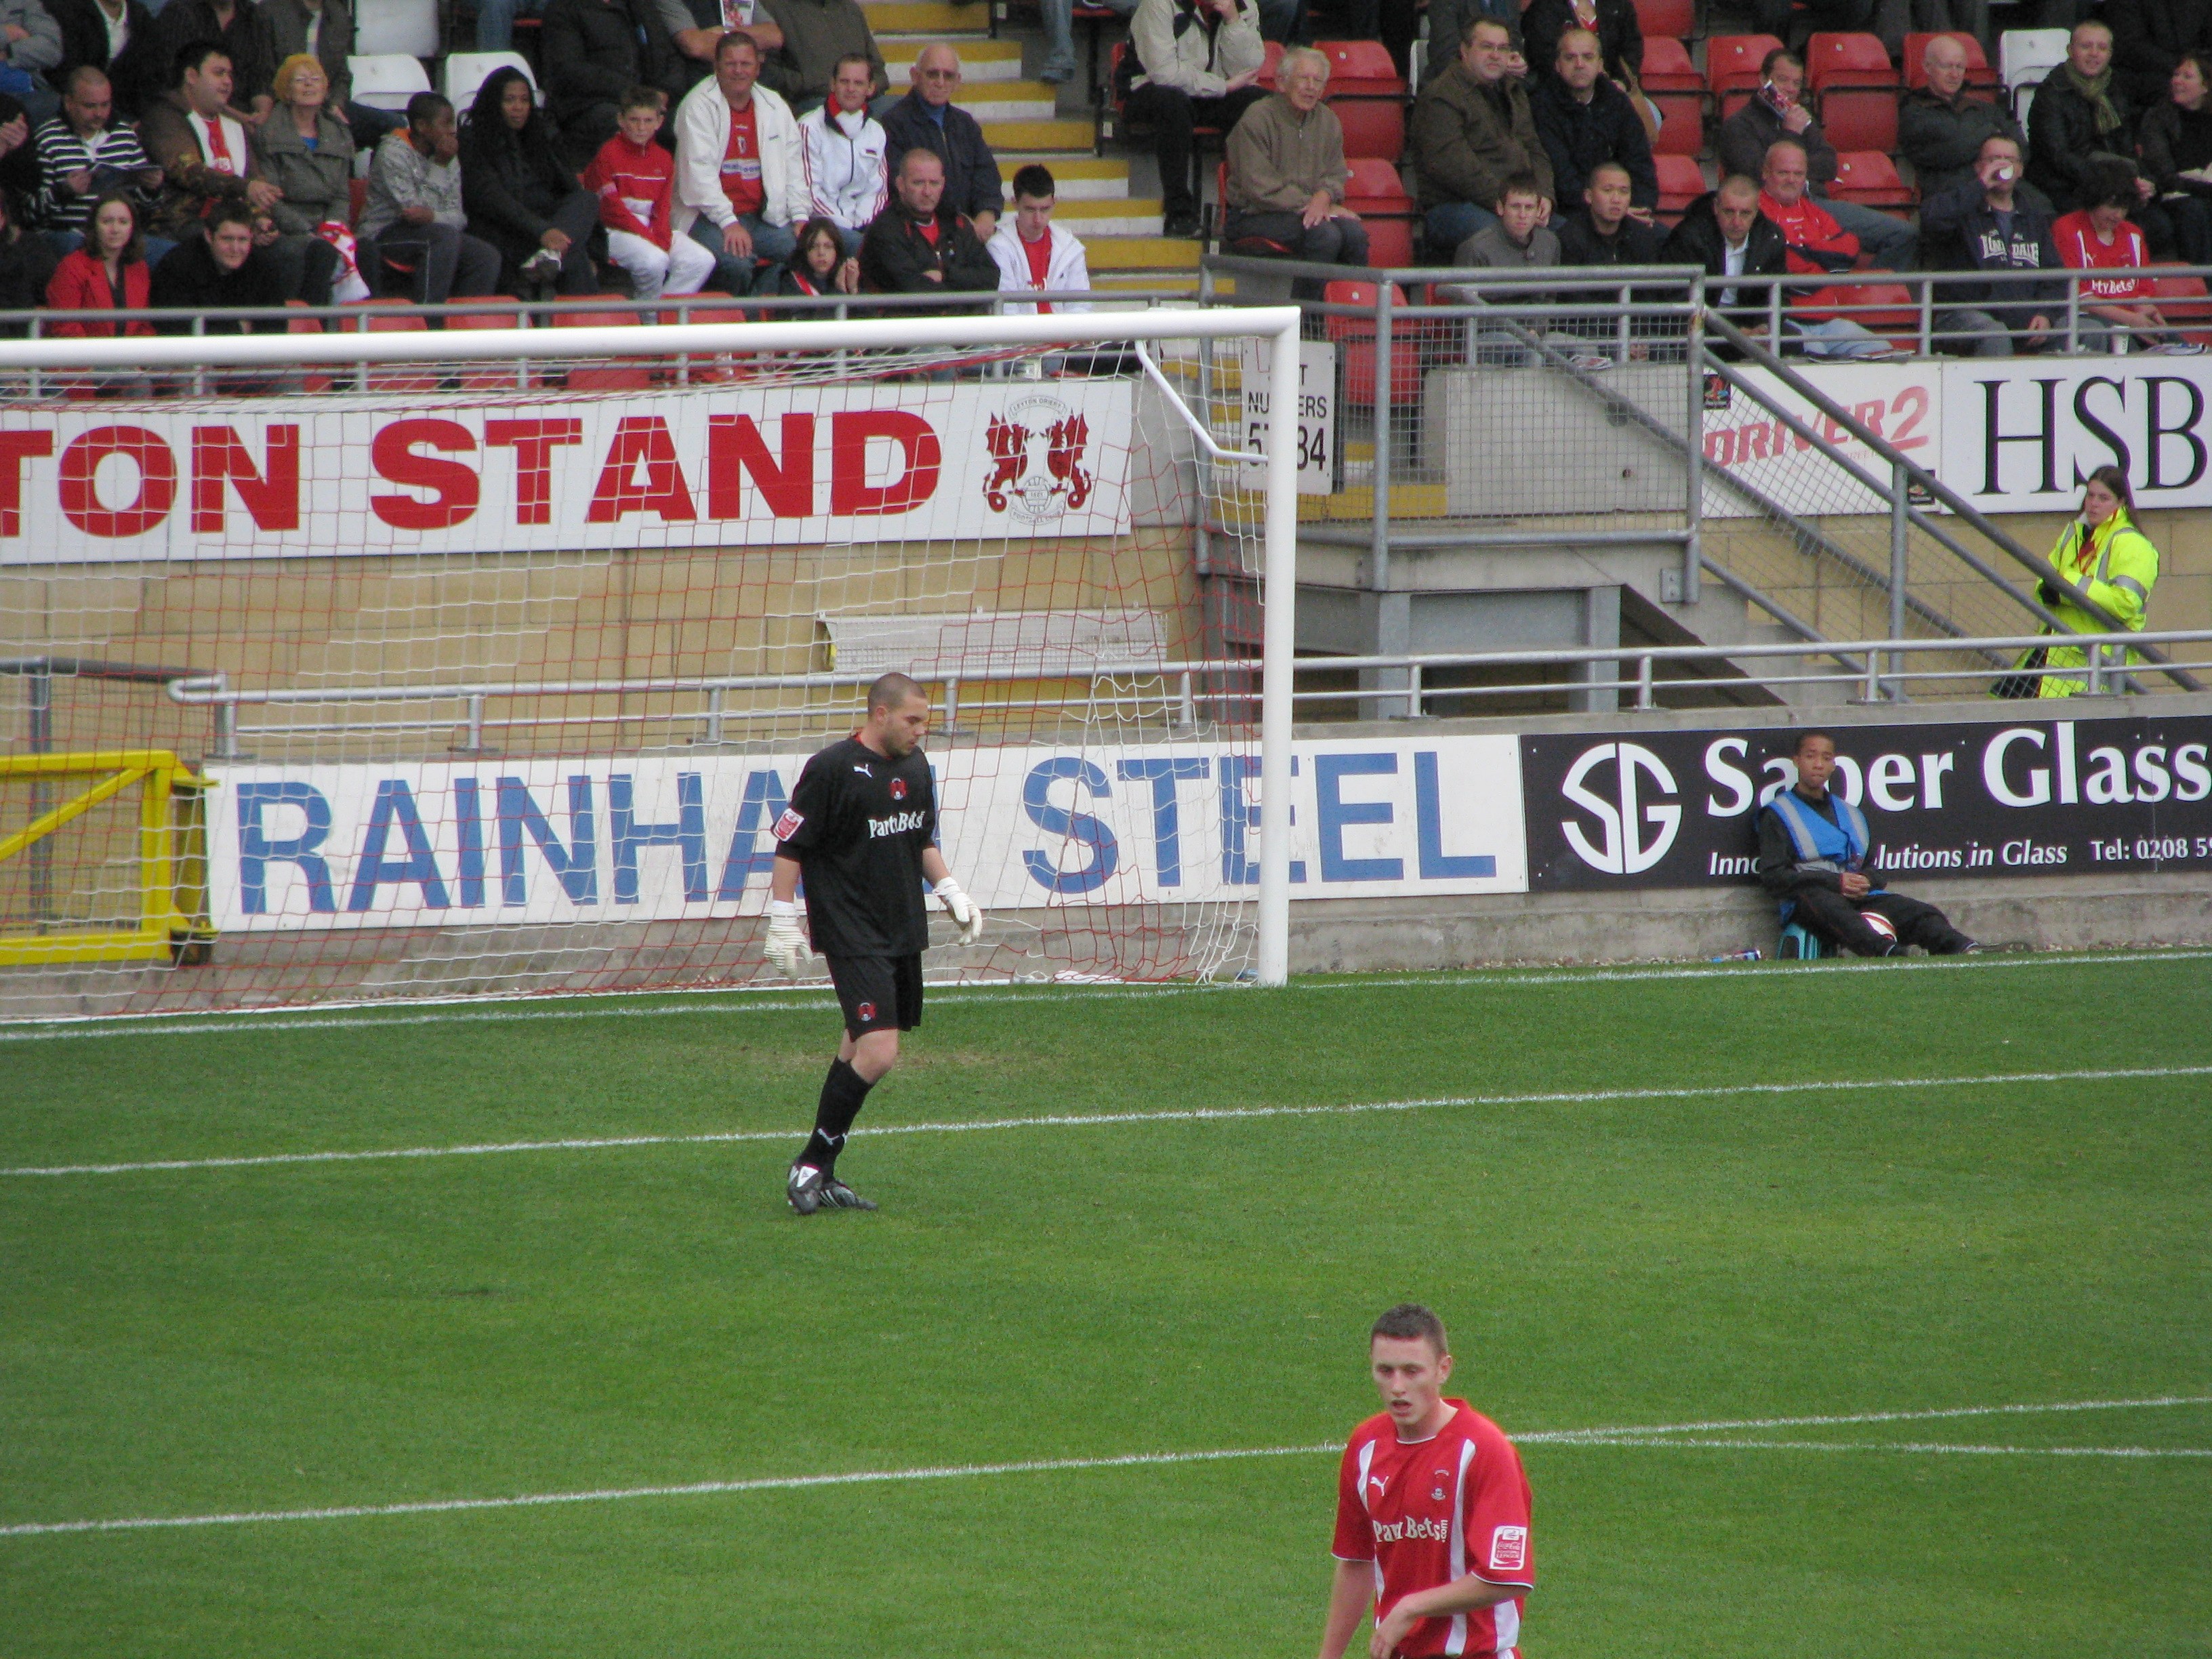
1431,1512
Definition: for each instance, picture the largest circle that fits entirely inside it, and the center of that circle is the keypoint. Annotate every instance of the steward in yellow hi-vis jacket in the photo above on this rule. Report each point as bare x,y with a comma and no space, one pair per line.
2105,555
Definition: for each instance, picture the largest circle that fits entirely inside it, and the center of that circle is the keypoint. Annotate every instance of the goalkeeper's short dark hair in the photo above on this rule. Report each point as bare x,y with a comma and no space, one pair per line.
892,690
1410,1322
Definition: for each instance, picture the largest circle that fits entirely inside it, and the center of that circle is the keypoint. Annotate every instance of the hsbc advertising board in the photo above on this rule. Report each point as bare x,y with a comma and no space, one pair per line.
2017,437
712,466
2042,796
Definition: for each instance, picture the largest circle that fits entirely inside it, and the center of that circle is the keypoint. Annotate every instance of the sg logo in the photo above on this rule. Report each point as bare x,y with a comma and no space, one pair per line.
1622,817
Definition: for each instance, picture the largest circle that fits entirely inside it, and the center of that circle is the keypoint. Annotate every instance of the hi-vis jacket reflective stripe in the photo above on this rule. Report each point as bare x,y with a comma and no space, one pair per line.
2117,567
1821,845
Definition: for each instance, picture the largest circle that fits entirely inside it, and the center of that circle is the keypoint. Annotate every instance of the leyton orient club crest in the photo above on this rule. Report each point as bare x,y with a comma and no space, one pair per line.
1037,449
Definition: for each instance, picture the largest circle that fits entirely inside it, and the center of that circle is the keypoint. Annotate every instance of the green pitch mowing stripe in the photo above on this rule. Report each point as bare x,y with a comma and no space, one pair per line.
784,998
1105,1119
422,1331
1693,1435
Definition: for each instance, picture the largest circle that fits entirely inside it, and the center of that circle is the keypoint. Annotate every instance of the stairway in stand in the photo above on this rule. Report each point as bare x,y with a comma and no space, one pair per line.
1121,232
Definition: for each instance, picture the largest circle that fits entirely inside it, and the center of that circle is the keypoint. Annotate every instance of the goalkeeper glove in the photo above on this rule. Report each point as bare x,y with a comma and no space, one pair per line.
961,909
786,945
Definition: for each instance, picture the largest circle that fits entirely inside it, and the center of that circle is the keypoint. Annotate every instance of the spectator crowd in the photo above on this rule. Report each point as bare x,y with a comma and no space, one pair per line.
204,159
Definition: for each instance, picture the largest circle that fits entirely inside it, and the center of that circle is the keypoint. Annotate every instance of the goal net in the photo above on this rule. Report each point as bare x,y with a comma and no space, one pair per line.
413,664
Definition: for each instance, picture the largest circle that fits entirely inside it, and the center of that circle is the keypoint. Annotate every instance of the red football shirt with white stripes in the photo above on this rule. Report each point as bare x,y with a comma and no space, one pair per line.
1427,1512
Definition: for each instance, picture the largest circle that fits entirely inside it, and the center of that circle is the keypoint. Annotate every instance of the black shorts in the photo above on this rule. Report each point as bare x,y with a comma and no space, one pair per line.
878,993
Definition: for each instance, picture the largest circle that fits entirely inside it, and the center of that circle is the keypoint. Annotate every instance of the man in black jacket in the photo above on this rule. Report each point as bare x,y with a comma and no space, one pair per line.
236,26
1939,128
222,270
1725,233
2149,37
133,70
921,243
1584,119
1990,223
927,118
593,53
1605,230
2081,112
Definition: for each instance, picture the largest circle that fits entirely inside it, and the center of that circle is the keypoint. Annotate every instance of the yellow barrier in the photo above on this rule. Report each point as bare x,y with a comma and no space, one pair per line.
172,919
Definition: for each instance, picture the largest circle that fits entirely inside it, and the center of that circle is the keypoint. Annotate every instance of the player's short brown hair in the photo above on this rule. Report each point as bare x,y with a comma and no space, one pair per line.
1410,1322
892,691
1797,744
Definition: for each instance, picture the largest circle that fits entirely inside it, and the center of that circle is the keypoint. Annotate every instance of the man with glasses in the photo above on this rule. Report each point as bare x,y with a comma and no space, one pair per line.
927,118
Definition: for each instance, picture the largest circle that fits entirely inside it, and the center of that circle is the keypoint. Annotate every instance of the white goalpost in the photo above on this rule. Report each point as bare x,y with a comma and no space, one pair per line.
476,660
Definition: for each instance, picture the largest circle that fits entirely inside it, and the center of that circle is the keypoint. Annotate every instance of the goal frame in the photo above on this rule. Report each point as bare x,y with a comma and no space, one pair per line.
1279,325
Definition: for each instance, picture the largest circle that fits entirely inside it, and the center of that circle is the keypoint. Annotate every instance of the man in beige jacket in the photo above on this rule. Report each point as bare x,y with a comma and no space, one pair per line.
1287,174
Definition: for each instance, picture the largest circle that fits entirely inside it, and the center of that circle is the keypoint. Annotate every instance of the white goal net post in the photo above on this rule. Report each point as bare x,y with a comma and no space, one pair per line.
475,662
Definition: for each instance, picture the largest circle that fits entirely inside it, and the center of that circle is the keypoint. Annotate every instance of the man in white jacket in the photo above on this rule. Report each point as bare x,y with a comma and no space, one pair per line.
740,178
842,149
1034,255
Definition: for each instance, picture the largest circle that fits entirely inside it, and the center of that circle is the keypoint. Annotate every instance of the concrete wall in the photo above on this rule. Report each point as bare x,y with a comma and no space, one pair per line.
2113,908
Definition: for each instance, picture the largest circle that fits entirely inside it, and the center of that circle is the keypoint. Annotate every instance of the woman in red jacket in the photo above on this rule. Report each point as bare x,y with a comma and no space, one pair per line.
108,273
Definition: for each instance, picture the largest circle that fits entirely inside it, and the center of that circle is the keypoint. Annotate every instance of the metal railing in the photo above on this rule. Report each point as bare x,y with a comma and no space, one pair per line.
1874,670
1914,326
509,313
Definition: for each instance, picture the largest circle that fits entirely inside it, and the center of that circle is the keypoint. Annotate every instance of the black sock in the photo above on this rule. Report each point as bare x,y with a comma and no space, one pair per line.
843,1092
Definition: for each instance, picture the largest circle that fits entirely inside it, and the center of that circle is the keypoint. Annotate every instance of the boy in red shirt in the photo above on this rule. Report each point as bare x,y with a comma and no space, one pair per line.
1431,1512
2099,238
635,180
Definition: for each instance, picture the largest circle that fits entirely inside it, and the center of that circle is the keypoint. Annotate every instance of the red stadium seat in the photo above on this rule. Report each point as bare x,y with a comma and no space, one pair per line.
1981,79
2184,301
1680,182
1361,68
1376,187
1271,56
1869,177
1681,122
373,317
1847,60
1389,243
605,377
1373,127
1860,120
1890,309
1732,61
1355,337
1667,66
1672,20
493,377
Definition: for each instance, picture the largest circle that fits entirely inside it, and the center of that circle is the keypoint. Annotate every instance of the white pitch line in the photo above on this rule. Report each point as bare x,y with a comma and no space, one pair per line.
1095,1120
1655,1436
1893,1446
1929,1415
800,998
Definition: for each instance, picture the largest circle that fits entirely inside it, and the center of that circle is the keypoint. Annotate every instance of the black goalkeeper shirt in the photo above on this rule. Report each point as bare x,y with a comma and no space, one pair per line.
857,824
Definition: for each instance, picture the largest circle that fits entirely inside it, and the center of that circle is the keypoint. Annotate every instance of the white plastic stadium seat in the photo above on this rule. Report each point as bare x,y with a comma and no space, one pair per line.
388,81
467,70
409,27
2023,58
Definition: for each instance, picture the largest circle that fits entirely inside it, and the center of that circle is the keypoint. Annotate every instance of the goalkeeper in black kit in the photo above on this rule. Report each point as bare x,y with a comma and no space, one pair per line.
860,829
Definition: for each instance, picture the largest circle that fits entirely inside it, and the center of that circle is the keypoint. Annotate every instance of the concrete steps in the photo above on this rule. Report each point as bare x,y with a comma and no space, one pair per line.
1022,122
1096,219
981,60
937,19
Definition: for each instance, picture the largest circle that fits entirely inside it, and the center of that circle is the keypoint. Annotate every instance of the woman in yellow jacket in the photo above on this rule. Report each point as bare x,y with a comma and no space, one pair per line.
2102,554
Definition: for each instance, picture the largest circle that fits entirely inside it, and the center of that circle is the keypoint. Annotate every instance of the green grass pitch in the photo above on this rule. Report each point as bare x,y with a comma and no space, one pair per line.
294,1336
